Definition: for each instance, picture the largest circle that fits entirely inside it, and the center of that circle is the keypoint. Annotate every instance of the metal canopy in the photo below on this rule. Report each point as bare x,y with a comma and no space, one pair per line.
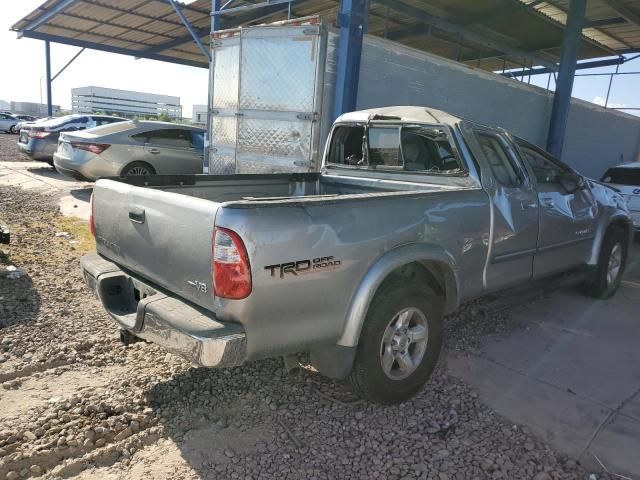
486,34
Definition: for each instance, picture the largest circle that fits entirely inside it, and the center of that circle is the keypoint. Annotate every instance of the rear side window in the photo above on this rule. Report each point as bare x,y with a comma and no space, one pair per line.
106,120
623,176
500,159
408,149
167,137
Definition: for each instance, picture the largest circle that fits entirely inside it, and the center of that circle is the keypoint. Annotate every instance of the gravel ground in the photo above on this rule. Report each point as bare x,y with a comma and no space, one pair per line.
75,403
8,150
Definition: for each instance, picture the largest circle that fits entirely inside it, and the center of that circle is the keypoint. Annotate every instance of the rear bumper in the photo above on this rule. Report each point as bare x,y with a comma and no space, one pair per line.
162,318
69,172
38,149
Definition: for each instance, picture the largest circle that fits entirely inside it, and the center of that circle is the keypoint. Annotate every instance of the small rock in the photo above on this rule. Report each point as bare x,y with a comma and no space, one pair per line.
126,433
30,436
35,469
11,475
100,442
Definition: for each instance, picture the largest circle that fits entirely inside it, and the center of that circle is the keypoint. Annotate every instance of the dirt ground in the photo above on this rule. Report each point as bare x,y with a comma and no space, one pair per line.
76,403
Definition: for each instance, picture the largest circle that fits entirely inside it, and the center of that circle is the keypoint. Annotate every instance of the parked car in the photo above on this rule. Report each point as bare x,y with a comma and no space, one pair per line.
130,148
26,124
8,123
413,212
40,140
626,179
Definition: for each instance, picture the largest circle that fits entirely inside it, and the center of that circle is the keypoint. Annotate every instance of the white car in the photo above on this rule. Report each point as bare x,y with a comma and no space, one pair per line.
626,178
8,123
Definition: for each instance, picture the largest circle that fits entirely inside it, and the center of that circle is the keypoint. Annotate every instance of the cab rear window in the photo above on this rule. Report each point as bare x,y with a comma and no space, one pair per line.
394,148
622,176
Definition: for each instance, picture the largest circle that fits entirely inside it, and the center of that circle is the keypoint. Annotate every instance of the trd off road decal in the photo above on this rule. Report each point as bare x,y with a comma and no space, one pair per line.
300,267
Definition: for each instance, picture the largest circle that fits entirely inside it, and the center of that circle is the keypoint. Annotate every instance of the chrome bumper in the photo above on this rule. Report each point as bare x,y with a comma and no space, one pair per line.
166,320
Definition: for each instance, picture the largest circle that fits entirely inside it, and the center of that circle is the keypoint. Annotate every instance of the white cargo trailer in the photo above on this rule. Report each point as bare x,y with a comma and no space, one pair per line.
273,90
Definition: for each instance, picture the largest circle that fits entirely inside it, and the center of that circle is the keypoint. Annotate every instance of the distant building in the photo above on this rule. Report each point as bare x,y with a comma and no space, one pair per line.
5,106
199,114
32,108
124,102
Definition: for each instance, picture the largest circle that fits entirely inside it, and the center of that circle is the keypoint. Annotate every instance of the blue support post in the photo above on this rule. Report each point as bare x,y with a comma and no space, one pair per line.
352,19
192,32
215,25
571,40
47,53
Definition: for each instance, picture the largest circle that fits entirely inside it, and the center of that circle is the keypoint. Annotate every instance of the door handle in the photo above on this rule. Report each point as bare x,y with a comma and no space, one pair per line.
154,150
136,215
548,202
529,205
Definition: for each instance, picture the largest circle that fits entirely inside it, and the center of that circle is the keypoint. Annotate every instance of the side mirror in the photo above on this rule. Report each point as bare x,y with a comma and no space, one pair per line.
572,182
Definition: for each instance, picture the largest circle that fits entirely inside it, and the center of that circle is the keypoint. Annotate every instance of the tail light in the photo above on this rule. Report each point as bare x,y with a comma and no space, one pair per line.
231,269
92,225
96,148
38,134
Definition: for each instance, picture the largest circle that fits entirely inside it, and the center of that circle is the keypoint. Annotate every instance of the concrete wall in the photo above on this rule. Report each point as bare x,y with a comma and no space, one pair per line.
391,74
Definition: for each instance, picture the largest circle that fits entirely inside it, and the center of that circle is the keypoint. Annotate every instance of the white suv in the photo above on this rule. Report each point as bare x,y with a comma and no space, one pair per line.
626,178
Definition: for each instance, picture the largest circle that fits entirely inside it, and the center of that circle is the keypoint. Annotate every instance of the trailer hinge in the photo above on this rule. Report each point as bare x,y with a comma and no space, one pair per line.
310,31
216,43
215,112
307,116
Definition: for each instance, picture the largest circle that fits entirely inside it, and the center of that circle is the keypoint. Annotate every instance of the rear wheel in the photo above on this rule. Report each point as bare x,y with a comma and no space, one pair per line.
12,129
400,342
607,277
137,168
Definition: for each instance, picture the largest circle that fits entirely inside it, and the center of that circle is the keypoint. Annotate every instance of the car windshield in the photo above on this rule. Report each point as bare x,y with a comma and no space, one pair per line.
622,176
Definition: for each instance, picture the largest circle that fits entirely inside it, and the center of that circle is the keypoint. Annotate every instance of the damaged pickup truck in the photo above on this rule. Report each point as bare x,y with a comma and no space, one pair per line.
413,212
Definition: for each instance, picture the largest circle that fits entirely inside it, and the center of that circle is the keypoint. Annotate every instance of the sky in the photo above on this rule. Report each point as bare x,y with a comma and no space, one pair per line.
22,64
23,68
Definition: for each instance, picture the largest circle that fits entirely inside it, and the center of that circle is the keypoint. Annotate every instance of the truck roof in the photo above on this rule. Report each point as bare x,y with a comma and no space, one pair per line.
405,113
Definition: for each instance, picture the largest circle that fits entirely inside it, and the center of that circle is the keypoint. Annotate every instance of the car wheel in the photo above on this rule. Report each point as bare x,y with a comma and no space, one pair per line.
137,168
12,129
400,342
608,274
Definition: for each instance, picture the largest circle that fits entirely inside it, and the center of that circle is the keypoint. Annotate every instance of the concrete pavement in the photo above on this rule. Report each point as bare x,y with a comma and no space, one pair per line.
569,370
73,196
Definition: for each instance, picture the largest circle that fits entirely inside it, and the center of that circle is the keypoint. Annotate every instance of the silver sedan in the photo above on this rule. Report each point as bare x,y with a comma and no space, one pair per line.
130,148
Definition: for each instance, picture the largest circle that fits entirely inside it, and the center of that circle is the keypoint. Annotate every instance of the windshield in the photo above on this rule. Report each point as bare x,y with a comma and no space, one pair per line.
622,176
394,148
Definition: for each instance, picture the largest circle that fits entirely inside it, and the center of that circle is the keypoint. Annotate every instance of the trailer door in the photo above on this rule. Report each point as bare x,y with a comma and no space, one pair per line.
266,83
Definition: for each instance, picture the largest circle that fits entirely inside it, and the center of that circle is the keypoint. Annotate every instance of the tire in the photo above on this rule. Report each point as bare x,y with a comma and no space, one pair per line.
137,168
608,274
410,304
12,129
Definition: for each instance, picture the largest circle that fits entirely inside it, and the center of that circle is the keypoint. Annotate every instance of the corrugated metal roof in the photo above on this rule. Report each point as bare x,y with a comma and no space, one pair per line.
487,34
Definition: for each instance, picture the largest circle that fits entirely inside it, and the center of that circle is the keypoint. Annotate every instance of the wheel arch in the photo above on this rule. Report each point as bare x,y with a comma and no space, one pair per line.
621,221
429,263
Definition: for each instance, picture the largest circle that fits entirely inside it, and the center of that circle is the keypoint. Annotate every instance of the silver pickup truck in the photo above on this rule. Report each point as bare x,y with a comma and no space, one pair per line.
413,212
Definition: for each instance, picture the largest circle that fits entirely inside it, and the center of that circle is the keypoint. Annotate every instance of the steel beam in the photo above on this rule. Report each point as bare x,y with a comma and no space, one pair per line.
47,58
472,36
68,63
118,50
604,22
580,66
187,25
352,19
250,15
571,40
624,11
49,14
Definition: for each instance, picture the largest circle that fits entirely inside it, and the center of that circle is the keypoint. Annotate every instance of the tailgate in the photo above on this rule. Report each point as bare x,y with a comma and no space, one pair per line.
162,236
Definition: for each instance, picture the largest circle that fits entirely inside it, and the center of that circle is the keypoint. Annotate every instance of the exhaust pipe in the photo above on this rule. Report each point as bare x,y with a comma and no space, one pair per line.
291,364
